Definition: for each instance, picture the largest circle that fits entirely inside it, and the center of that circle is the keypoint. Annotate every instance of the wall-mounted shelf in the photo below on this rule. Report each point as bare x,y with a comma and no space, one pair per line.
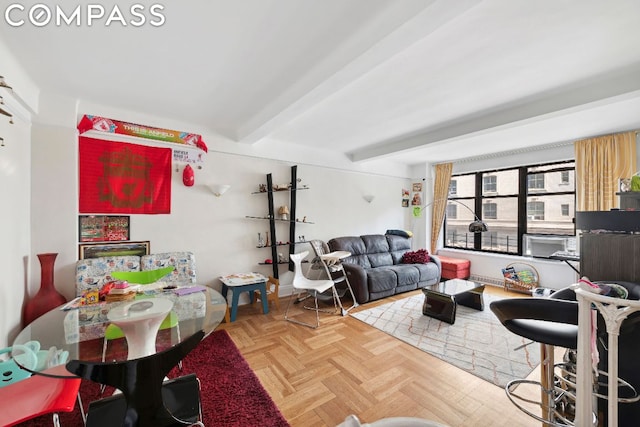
281,191
271,217
277,219
282,244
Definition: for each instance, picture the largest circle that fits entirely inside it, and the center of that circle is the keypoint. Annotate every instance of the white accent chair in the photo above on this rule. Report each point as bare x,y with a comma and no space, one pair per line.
312,287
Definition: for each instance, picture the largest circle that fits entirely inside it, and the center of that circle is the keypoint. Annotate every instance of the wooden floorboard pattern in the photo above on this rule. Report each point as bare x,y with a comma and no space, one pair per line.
319,377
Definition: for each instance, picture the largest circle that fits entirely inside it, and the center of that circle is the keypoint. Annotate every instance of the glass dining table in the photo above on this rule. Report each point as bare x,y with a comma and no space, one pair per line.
70,339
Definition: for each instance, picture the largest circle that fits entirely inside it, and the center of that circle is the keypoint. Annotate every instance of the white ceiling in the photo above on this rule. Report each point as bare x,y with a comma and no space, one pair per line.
407,80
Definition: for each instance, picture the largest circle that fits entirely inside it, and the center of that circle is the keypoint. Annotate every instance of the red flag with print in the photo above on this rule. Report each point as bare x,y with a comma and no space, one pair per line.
117,177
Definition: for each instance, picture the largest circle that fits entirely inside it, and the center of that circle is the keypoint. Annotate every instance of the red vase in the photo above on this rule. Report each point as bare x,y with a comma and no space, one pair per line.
47,297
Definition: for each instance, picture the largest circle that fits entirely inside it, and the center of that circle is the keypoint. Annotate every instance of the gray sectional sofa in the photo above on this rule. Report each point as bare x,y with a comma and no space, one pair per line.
375,269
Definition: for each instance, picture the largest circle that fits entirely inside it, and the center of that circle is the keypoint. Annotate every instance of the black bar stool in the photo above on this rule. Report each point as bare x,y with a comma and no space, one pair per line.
550,322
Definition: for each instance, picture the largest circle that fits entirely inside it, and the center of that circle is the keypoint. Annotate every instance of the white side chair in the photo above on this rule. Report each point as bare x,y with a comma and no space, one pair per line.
312,287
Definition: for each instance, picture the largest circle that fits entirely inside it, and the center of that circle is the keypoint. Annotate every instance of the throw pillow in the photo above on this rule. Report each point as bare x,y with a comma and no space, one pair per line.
421,256
402,233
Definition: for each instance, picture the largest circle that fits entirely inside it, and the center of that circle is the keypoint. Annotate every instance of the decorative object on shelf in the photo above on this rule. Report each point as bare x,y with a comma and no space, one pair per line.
188,176
266,238
625,184
262,188
284,213
635,182
260,241
219,189
369,197
47,297
281,257
281,187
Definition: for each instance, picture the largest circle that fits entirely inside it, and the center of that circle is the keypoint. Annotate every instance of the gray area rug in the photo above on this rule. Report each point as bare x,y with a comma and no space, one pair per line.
477,342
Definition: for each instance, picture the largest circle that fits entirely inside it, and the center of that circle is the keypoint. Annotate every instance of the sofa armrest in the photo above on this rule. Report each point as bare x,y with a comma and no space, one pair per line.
358,280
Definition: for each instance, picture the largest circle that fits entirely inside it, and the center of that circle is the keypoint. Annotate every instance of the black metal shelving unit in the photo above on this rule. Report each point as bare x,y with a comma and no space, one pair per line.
292,190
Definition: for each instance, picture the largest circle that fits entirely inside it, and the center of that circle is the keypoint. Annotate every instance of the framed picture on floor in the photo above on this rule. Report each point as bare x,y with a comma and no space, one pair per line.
96,250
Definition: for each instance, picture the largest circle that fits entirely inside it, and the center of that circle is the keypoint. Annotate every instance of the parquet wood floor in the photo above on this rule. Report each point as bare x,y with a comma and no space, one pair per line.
319,377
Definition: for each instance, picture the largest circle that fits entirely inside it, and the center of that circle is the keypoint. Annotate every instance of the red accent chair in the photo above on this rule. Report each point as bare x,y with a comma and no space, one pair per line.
38,395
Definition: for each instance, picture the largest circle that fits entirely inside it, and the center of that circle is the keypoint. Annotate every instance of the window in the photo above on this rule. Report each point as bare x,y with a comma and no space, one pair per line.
535,210
452,211
490,184
535,181
530,199
490,210
453,187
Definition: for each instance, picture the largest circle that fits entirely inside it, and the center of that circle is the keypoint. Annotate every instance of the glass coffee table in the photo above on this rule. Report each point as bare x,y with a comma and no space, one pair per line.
441,300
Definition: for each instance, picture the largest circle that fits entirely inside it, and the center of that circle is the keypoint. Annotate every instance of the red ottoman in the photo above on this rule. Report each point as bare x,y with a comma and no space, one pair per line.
455,268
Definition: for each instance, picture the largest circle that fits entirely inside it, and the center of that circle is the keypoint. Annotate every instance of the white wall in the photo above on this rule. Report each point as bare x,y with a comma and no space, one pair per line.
14,223
215,229
15,190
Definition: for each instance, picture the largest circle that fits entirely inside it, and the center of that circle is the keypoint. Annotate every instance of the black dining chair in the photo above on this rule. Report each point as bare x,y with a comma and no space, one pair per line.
146,400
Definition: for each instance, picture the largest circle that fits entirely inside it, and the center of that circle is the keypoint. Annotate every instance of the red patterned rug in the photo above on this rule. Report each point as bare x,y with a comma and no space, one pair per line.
232,395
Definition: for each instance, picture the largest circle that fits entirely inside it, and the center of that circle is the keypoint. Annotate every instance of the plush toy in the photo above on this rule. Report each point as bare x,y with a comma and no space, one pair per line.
9,369
31,357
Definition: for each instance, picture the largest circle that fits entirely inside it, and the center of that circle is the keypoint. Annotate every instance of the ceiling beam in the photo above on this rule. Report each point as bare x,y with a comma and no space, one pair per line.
580,96
357,57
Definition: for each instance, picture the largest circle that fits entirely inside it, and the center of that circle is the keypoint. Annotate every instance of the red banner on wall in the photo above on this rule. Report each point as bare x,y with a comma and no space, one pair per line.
103,124
117,177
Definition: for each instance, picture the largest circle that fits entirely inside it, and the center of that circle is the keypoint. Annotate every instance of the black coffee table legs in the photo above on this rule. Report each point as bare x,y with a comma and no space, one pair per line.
443,307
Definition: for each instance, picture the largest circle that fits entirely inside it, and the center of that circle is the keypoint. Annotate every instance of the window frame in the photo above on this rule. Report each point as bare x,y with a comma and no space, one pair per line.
522,195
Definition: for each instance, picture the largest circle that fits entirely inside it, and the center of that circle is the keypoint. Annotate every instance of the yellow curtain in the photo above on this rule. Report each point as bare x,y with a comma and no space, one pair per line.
600,163
440,195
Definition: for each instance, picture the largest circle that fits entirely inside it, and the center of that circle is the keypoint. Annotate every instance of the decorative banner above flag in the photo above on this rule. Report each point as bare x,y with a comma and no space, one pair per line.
102,124
124,178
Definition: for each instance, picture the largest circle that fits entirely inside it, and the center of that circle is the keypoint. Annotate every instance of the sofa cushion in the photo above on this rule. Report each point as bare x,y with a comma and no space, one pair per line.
381,279
184,263
406,274
377,248
92,273
354,245
398,246
428,272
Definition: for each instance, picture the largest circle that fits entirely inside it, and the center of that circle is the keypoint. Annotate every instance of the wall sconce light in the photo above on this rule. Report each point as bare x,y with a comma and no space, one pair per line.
219,189
369,197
